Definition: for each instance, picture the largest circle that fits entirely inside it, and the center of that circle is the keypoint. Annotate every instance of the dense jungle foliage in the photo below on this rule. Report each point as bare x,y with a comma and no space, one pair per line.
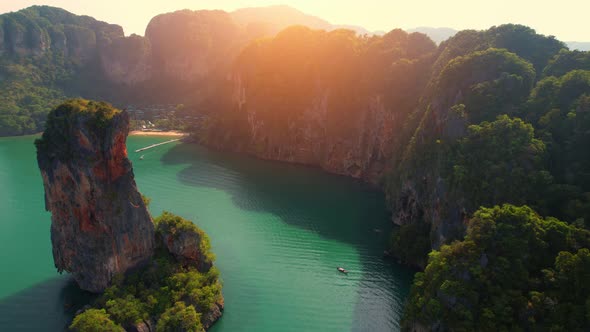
500,123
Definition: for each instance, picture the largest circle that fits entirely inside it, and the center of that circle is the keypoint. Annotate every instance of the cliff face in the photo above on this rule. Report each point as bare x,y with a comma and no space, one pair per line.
391,110
127,60
183,58
189,45
323,99
100,225
313,134
38,30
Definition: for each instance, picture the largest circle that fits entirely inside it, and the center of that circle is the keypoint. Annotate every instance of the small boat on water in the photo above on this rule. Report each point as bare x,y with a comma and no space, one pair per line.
342,270
141,158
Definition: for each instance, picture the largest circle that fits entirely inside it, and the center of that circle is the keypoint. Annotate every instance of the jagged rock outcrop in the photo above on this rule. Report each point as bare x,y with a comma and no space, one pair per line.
190,247
186,242
212,316
100,225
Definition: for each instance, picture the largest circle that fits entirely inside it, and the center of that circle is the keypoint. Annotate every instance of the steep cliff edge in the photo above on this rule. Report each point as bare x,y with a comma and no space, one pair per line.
100,225
329,99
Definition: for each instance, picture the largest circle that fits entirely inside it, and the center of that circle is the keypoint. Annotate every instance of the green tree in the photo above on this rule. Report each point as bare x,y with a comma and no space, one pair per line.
180,317
170,223
560,108
170,291
94,320
567,61
499,162
489,83
492,280
127,311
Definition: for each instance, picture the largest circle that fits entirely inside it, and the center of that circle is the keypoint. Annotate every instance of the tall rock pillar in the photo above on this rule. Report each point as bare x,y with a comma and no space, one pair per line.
100,225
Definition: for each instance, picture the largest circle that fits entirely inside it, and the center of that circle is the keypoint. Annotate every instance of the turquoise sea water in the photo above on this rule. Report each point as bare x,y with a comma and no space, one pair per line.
279,231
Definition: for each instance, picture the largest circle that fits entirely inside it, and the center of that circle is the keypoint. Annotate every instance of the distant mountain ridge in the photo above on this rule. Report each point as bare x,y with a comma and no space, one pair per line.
48,54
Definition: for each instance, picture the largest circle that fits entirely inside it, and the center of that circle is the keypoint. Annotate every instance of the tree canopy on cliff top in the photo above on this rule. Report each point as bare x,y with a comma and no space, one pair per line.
514,269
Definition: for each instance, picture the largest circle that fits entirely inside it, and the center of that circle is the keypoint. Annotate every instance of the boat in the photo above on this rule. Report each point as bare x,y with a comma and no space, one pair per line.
342,270
141,158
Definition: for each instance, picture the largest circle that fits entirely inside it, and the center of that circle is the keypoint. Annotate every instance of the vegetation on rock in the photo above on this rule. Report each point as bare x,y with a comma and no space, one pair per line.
95,320
167,295
180,318
176,226
513,269
499,161
66,117
494,127
510,269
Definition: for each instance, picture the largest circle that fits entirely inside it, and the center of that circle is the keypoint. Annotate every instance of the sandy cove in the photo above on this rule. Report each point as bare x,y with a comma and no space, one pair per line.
157,133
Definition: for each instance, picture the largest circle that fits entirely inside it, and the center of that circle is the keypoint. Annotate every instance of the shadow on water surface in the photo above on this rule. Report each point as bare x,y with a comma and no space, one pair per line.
30,309
332,206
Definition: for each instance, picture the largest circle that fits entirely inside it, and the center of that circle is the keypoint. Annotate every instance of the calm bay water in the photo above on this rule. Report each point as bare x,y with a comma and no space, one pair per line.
279,231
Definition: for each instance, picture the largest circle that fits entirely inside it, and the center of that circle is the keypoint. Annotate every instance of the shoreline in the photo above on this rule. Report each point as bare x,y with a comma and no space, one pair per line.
158,133
174,133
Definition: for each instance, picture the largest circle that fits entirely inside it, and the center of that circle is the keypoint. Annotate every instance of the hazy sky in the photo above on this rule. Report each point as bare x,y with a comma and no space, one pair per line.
565,19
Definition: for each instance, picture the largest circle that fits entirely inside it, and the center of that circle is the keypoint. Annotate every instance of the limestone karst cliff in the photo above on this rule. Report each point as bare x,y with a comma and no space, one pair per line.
330,99
477,76
39,30
442,130
48,54
100,225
